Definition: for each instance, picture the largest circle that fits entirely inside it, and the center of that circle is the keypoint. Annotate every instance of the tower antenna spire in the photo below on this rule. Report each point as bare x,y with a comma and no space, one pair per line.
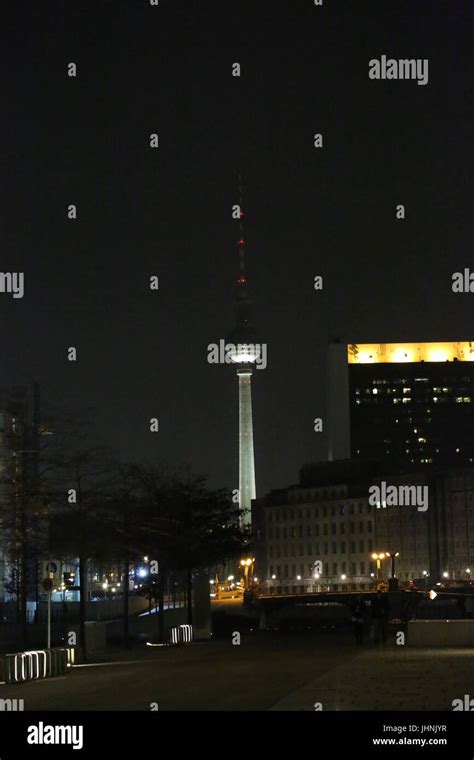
241,242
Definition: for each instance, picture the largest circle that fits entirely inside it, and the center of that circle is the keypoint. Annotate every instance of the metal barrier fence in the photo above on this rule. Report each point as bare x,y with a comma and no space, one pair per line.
38,663
182,634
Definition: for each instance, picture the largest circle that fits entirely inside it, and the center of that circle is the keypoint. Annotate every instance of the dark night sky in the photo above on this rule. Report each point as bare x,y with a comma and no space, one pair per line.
168,212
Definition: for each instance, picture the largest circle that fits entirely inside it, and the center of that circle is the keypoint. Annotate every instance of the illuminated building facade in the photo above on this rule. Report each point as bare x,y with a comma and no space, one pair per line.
327,518
412,402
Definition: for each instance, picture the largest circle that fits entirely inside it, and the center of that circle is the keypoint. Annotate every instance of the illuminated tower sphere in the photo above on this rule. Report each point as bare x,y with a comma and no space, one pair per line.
244,355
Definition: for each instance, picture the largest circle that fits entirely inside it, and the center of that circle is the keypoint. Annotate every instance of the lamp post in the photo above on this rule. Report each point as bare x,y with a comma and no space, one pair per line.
378,557
392,556
392,582
247,564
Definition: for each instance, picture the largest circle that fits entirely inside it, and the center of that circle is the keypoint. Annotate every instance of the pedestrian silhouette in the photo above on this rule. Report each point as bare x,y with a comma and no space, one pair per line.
380,612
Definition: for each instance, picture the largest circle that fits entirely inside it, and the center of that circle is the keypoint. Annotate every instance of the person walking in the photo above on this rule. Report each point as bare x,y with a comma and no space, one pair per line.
380,609
358,619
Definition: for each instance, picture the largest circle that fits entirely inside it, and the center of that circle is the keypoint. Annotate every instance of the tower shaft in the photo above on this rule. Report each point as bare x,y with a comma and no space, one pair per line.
246,455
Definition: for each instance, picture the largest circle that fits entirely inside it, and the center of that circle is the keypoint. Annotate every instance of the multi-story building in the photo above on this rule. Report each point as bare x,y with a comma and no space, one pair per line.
19,410
409,403
328,518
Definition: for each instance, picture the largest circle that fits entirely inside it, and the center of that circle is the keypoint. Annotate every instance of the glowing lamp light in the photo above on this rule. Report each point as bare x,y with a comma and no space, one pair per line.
438,356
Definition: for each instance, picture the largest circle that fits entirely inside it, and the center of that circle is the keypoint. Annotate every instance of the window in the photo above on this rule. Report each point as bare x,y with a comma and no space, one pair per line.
334,547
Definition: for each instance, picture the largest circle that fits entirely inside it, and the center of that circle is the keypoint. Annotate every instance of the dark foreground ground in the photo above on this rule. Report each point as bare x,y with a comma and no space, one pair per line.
267,671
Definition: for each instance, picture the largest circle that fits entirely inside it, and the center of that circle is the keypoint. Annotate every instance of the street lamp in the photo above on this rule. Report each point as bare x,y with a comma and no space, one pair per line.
392,556
247,563
378,558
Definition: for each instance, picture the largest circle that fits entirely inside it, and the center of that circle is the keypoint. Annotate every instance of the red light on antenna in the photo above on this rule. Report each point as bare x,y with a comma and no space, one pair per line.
241,242
242,280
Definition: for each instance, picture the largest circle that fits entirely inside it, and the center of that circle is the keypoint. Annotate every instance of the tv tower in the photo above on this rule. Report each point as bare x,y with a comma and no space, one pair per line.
245,353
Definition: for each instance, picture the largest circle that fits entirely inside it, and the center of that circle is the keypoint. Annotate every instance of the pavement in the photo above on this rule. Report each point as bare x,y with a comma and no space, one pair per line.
267,671
395,678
